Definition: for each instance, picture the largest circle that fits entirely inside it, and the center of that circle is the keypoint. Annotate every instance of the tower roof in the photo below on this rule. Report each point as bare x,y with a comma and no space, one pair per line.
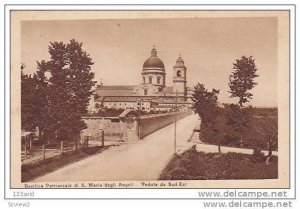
153,61
179,62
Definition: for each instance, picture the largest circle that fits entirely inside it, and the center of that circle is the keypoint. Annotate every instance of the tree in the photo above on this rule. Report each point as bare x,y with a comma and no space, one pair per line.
70,88
205,103
269,130
56,103
241,81
238,118
42,100
28,105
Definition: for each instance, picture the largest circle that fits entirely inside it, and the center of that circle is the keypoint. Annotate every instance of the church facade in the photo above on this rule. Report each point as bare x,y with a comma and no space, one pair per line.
151,94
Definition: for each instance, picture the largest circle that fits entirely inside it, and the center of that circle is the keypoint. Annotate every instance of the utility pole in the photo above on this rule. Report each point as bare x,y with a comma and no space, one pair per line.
175,122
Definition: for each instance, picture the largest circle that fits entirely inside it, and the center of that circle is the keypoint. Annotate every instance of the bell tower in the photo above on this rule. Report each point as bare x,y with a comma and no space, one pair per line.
179,77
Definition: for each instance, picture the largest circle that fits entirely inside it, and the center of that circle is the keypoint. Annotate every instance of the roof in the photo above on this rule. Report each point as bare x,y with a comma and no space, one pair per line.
170,101
179,62
154,61
115,87
123,99
103,91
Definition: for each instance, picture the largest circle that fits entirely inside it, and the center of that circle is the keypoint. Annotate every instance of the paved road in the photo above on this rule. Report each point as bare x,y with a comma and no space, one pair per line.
142,160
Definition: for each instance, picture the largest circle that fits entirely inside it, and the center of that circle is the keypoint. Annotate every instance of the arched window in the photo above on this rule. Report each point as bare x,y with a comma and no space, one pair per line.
150,79
158,80
178,73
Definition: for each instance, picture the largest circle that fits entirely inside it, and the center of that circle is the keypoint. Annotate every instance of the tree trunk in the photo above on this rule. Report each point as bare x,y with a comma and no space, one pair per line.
40,133
240,102
268,159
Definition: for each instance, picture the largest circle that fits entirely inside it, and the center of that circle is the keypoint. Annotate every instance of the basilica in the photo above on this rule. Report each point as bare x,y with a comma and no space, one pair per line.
151,94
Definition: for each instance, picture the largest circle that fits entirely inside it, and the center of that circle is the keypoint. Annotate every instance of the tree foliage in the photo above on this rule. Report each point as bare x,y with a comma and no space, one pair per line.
269,130
241,81
28,104
205,103
237,117
62,97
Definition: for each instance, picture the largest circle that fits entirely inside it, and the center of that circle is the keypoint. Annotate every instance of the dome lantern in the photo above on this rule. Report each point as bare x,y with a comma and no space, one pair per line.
153,52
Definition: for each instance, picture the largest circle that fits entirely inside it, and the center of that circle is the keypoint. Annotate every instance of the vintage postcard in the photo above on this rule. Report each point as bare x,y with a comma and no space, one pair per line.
150,99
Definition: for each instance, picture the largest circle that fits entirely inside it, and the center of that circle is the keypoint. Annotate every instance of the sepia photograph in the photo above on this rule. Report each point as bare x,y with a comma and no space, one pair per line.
150,99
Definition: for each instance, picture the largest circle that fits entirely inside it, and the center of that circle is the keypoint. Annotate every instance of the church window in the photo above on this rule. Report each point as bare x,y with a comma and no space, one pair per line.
150,79
145,92
144,79
178,73
158,80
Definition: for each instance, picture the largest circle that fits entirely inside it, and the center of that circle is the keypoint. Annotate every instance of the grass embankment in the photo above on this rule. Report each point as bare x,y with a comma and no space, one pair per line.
34,170
193,165
251,138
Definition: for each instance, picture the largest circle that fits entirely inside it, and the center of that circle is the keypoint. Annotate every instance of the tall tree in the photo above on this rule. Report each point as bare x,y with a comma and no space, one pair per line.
241,81
71,85
28,105
42,99
205,103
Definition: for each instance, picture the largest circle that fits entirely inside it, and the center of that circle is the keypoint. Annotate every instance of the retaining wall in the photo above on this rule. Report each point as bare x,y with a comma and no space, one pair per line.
126,130
113,131
150,124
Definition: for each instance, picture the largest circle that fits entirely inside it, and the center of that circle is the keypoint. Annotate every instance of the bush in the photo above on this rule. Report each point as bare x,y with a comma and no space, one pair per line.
230,139
258,156
179,174
193,165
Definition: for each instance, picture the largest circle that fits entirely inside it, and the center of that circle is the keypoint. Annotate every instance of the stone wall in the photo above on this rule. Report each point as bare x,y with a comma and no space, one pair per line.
113,131
150,124
127,130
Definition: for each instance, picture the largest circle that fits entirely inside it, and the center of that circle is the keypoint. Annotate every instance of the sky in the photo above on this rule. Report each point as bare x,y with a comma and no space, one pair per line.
209,46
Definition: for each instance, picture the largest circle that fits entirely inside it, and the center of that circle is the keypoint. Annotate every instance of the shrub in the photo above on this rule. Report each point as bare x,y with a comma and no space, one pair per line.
230,139
179,174
258,156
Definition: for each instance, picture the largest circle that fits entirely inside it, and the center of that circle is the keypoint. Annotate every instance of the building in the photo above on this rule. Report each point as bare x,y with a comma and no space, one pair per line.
151,94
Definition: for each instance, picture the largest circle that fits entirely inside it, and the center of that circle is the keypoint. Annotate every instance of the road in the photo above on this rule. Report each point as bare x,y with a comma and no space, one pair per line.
142,160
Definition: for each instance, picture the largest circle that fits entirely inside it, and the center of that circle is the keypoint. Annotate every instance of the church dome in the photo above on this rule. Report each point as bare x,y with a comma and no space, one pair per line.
154,61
